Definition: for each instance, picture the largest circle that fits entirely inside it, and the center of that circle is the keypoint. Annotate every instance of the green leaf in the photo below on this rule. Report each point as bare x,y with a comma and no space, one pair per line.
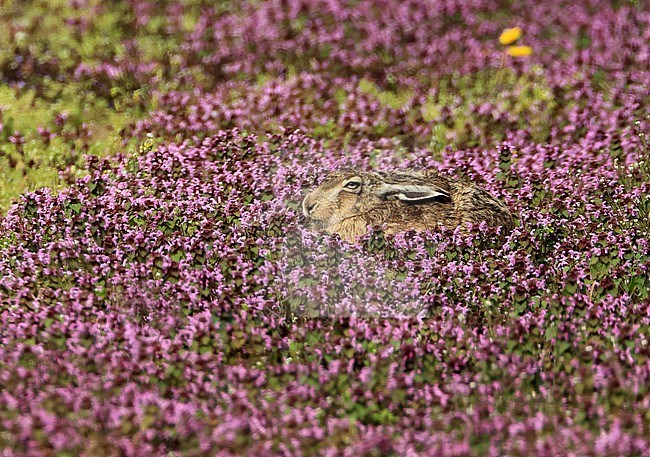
562,347
551,332
29,341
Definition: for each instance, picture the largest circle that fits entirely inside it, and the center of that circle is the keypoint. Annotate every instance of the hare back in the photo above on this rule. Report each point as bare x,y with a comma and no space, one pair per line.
476,205
398,216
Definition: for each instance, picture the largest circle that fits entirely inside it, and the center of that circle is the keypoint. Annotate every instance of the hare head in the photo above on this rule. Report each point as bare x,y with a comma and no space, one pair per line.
348,201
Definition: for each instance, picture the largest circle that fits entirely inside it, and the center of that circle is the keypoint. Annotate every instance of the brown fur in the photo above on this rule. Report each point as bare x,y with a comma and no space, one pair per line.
349,200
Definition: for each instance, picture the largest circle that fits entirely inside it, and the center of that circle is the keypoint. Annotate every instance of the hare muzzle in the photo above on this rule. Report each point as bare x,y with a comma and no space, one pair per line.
308,206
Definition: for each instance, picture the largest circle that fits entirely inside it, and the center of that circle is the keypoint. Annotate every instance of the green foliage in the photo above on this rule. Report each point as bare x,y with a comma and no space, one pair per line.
42,45
519,102
91,127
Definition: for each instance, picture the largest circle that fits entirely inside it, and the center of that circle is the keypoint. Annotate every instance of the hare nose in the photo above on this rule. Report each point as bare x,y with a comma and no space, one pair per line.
307,206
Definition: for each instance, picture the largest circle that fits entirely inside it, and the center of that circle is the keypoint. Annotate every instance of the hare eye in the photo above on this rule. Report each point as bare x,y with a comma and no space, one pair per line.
352,185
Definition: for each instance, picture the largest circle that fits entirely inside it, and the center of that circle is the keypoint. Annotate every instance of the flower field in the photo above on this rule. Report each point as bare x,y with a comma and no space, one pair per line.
161,294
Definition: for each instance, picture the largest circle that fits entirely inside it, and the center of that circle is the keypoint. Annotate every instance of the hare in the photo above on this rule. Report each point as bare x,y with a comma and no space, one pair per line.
347,201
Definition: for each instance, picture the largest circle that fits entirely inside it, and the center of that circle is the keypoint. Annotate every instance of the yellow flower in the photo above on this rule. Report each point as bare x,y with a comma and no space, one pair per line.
510,35
519,51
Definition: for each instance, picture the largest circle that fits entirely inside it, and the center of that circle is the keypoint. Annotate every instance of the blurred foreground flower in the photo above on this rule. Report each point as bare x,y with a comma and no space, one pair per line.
509,36
519,51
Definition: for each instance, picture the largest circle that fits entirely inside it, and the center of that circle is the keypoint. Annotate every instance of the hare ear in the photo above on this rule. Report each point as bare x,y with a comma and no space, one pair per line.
411,192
